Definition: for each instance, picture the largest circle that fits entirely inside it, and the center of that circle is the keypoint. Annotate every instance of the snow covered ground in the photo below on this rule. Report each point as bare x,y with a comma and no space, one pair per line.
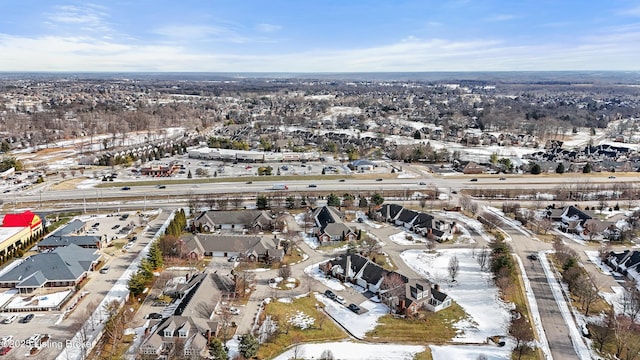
347,350
463,222
469,352
317,274
594,257
357,324
402,238
473,290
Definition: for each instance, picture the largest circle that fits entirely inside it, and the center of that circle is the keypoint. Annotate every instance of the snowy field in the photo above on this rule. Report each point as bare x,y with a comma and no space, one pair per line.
402,238
357,324
355,351
463,222
473,290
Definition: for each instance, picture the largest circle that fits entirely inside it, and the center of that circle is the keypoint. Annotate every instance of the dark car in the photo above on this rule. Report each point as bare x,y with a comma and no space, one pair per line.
27,318
249,182
330,294
532,257
341,180
503,178
126,188
313,185
474,179
379,179
162,186
155,316
353,307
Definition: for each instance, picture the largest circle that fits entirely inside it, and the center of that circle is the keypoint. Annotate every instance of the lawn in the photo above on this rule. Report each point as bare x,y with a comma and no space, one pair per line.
323,329
429,327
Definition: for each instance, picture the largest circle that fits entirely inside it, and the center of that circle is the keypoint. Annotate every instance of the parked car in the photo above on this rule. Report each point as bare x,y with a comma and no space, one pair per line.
27,318
33,339
5,350
234,311
355,308
340,300
330,294
104,270
9,319
532,257
155,316
231,259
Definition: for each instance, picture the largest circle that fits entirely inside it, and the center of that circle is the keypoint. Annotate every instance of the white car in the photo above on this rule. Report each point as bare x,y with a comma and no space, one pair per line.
234,311
9,319
339,299
33,339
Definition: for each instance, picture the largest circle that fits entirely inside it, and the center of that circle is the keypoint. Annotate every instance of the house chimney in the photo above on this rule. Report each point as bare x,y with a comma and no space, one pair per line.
208,335
436,287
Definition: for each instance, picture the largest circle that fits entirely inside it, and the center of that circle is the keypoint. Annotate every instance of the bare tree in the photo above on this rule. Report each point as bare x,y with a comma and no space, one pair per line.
431,245
284,271
522,333
369,246
327,355
454,267
483,258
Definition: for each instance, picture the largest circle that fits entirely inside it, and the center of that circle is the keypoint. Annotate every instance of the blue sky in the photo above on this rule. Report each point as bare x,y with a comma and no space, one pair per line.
319,36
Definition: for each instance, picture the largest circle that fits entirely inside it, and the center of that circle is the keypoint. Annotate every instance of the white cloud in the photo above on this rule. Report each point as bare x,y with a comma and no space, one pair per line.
89,17
611,50
268,28
200,33
634,11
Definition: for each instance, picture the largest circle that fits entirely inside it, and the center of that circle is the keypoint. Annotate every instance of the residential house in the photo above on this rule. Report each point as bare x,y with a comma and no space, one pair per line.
401,294
418,222
74,227
63,267
626,263
330,226
473,168
178,336
250,248
234,221
571,218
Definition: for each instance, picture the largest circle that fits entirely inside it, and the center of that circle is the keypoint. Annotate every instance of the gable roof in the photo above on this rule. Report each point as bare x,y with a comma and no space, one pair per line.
220,217
81,240
390,211
71,227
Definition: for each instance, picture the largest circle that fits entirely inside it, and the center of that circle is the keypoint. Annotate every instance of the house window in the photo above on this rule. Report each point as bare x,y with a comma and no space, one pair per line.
182,333
168,333
187,352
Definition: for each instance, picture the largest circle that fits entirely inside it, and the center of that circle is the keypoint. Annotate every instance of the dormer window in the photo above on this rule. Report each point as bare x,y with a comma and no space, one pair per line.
168,333
183,333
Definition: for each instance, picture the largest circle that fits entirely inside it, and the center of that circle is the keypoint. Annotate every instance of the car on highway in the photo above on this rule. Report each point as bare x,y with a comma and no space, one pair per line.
422,183
330,294
313,185
379,179
503,178
162,186
249,182
341,180
353,307
612,177
474,179
126,188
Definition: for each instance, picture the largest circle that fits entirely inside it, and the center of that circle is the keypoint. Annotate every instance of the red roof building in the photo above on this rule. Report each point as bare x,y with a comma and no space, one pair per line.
24,219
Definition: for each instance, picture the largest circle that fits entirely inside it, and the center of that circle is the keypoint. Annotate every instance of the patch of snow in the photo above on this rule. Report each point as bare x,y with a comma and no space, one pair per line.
317,274
301,320
469,352
356,324
594,257
354,351
401,238
473,290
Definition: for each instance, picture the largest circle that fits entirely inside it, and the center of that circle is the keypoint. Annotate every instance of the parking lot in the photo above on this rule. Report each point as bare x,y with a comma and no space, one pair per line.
97,285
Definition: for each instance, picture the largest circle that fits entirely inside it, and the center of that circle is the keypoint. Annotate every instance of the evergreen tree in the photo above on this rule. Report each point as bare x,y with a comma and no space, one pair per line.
586,169
535,169
248,346
189,176
262,202
560,168
217,350
377,199
333,200
363,203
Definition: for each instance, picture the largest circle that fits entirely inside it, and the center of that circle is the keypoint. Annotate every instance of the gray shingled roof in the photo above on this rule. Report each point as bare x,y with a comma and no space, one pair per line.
66,263
71,227
81,240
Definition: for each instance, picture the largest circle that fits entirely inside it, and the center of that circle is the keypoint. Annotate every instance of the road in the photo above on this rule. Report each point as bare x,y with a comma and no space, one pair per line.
554,326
